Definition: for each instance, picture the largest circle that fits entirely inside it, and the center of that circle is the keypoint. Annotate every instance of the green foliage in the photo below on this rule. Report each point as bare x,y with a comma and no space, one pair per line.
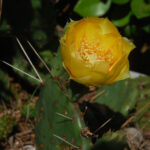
123,13
140,8
123,21
5,93
28,110
39,37
58,120
36,4
130,30
7,123
120,2
87,8
5,26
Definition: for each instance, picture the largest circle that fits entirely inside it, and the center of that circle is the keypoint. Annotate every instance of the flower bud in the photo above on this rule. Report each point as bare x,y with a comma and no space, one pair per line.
94,52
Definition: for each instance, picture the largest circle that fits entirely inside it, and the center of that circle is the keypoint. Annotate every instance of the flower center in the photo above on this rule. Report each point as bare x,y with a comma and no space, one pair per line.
93,52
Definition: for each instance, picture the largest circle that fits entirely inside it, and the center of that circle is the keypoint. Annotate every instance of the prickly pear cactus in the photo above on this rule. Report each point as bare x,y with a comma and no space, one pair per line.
59,122
123,95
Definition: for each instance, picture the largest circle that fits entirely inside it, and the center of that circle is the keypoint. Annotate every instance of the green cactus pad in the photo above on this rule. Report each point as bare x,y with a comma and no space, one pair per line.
120,97
58,121
127,95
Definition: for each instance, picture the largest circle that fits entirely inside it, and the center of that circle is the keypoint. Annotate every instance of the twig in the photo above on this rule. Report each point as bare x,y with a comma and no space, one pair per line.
62,139
40,59
97,95
24,133
103,125
29,59
31,76
137,113
86,97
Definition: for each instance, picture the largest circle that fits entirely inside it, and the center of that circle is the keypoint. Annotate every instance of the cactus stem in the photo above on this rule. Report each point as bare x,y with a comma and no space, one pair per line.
40,59
62,139
29,59
64,116
31,76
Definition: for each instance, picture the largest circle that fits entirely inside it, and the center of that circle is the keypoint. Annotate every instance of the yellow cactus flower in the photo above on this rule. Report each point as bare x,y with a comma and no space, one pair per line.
94,52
